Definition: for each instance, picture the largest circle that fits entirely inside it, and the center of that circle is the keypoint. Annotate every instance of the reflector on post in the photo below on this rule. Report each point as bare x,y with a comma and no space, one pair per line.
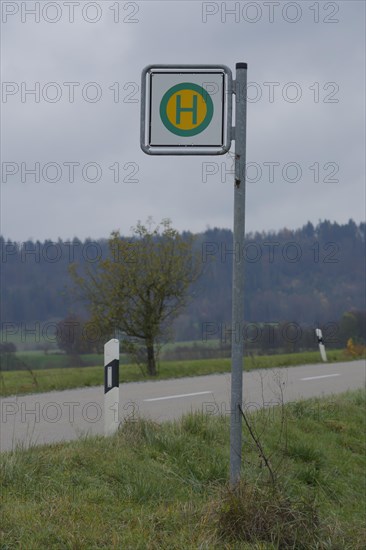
111,386
319,336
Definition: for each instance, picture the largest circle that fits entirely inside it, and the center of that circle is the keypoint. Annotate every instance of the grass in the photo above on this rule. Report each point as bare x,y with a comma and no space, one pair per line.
43,380
54,358
157,486
38,360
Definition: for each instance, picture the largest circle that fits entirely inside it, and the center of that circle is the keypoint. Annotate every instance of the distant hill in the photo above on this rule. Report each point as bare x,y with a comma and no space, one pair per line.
309,275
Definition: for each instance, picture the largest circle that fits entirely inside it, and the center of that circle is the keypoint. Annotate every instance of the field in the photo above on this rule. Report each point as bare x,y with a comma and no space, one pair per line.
34,380
157,486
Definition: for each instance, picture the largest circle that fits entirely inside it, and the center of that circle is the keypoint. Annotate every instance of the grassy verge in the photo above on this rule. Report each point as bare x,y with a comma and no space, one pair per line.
37,360
22,382
165,486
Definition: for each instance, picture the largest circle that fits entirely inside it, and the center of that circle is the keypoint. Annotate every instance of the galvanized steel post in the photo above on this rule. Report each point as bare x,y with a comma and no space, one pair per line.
237,348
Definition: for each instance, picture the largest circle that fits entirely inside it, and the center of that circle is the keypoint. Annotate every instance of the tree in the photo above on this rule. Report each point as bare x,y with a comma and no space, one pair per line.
76,337
8,347
353,325
142,286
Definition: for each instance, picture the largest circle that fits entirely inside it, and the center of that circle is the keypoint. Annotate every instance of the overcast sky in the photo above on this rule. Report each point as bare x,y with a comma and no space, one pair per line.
310,120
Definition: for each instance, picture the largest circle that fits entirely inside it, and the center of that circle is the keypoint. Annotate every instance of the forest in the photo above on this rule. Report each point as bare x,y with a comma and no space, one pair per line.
310,276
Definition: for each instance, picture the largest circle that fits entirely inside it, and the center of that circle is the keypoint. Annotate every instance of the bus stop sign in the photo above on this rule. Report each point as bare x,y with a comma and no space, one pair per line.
186,109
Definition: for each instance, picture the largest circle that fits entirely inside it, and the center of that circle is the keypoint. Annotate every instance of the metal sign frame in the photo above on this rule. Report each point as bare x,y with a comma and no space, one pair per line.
185,148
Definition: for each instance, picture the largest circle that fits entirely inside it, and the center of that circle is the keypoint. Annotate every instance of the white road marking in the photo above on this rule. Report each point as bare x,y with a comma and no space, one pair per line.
317,377
176,396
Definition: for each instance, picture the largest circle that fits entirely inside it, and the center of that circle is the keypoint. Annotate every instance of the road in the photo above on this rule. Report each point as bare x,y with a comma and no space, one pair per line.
42,418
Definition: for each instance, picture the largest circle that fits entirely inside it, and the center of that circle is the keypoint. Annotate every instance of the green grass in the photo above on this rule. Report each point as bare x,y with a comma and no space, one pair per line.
157,486
39,360
43,380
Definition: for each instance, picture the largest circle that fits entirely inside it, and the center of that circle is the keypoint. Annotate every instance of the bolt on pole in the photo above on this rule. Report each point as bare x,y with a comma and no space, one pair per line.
238,273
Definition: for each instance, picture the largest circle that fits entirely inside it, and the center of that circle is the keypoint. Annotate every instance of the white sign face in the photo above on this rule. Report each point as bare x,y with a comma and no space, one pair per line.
186,110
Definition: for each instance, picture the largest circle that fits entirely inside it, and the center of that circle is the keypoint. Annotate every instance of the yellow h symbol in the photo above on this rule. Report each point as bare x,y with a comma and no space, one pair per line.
180,109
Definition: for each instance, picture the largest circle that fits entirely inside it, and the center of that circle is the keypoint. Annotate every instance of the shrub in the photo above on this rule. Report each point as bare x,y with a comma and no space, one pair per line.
355,350
256,512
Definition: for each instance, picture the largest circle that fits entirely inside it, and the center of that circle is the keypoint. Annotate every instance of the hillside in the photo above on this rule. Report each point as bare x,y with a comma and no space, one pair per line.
309,275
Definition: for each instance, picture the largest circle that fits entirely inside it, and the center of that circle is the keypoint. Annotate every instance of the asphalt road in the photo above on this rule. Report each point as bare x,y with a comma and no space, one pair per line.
42,418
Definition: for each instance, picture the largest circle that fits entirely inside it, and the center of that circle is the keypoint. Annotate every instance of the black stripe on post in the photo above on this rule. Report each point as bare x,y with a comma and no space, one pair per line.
111,375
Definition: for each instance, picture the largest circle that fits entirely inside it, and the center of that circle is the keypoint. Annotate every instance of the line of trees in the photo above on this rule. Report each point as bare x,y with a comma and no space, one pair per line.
310,276
76,336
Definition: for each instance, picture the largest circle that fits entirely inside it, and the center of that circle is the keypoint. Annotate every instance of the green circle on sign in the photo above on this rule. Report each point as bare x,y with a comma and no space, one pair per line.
206,98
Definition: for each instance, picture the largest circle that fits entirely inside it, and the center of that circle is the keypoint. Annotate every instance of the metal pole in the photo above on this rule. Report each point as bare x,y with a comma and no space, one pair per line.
238,273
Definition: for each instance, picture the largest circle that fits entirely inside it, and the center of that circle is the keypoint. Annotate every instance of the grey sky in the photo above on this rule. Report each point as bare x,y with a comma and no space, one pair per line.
321,134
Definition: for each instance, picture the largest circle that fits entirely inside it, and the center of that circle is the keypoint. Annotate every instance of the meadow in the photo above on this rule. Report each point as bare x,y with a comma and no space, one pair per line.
164,486
42,373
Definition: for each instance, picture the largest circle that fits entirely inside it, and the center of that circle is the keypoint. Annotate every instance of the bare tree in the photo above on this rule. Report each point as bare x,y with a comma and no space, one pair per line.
143,285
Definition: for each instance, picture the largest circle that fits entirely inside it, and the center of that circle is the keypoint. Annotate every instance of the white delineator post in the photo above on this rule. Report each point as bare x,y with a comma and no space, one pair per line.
111,386
319,336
